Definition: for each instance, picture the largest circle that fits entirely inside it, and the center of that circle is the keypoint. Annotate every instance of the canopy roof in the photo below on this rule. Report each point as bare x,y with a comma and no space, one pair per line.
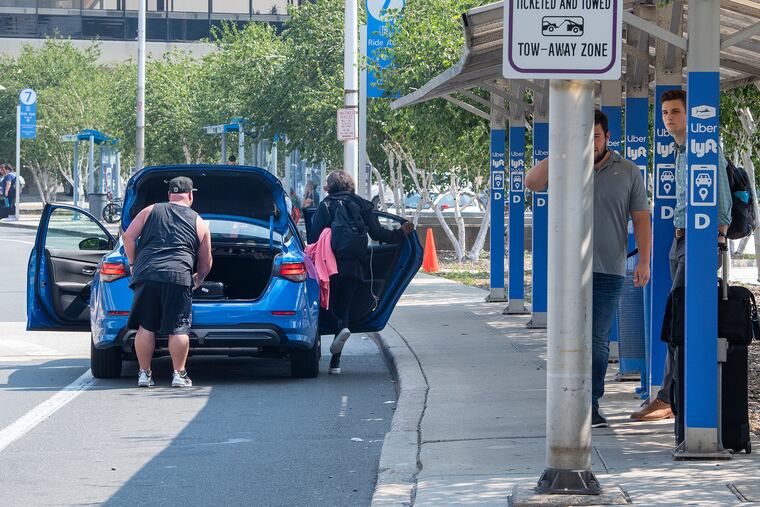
481,62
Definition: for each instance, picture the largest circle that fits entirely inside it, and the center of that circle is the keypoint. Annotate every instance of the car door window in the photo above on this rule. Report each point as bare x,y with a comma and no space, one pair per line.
74,246
73,230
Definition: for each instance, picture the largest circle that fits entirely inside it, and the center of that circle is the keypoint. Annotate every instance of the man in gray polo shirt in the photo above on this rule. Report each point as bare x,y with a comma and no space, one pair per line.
619,192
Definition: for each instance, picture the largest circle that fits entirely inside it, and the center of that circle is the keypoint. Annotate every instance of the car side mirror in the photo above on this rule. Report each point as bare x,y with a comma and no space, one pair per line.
95,244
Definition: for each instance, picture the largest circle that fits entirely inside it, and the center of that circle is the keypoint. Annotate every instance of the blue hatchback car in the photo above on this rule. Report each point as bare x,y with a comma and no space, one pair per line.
78,277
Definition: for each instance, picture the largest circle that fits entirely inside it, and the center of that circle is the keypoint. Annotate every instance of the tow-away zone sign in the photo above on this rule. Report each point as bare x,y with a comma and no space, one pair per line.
563,39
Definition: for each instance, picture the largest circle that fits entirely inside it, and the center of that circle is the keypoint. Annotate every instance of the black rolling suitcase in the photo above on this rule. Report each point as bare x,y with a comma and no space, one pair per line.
738,324
209,291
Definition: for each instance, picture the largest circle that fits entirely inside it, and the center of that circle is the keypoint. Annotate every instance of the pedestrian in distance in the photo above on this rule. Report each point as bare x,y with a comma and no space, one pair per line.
172,238
232,160
619,193
675,120
4,204
350,218
9,187
310,196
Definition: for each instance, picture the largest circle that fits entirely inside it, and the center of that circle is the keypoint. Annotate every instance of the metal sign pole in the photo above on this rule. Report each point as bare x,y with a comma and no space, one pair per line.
140,132
568,386
18,158
701,398
241,146
363,184
498,147
77,194
351,84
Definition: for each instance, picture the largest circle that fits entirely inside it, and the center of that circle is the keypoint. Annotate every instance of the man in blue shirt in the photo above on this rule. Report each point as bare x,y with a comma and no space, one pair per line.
675,119
8,188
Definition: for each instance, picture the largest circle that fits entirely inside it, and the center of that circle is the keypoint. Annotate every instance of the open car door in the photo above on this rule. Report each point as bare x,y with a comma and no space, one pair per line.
69,246
388,270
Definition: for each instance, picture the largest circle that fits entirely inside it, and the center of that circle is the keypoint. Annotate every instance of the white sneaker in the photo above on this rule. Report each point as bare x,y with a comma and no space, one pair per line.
181,379
336,347
145,378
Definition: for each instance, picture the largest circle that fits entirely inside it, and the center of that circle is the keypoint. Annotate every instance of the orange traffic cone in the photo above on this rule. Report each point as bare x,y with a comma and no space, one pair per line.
430,258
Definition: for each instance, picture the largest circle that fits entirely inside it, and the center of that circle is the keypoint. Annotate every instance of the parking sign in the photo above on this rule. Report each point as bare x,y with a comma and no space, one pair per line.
562,39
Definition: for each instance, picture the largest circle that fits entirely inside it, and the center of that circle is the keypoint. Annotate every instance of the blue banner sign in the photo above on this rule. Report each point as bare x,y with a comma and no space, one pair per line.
28,113
701,362
378,29
516,214
662,235
498,143
540,224
615,125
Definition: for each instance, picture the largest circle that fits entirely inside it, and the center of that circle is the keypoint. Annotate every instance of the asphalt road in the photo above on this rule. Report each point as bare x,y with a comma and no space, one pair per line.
247,434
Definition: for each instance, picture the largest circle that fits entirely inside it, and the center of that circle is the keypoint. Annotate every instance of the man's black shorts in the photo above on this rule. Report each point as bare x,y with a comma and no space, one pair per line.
163,308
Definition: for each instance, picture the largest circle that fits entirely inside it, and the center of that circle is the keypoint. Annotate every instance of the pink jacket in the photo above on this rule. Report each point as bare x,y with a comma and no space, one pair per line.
323,258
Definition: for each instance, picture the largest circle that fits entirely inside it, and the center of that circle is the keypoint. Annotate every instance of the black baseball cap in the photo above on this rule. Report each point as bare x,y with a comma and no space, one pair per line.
181,185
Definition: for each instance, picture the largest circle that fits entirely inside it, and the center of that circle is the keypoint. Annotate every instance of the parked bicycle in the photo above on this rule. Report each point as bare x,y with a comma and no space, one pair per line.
112,211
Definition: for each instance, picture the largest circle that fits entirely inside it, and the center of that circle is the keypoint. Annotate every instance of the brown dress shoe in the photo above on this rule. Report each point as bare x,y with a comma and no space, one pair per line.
655,411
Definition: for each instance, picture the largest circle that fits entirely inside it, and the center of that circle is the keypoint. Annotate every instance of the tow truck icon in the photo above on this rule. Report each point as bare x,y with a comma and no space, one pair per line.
562,26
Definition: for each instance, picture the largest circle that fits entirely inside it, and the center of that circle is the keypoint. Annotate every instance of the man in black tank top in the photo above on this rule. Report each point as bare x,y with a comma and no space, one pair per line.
172,238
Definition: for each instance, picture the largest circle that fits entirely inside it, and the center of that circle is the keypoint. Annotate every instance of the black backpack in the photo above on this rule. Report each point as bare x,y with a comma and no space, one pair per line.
743,220
349,232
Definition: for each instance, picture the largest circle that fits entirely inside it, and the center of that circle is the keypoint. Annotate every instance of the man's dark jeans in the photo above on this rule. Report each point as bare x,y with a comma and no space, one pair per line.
607,289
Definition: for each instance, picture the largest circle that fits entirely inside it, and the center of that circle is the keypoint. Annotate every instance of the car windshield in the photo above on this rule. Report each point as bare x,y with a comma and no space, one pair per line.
232,230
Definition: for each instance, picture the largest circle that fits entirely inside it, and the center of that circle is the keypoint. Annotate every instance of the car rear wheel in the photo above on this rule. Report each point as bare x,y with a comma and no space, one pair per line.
305,363
105,363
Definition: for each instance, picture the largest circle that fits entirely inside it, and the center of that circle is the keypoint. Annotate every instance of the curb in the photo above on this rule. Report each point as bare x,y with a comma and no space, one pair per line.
18,225
399,459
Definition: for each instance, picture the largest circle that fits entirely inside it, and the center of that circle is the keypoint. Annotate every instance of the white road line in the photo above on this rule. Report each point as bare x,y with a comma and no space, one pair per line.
28,348
19,241
27,422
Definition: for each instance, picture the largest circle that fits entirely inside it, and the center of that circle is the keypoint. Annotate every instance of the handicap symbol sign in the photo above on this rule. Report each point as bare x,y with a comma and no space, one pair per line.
498,180
516,179
702,188
666,181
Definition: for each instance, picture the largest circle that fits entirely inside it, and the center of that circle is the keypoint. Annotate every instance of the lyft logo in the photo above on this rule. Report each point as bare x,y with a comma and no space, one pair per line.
632,153
497,163
516,164
665,150
702,149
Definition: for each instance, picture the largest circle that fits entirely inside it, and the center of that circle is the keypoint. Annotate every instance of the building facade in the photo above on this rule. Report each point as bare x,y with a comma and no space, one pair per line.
116,20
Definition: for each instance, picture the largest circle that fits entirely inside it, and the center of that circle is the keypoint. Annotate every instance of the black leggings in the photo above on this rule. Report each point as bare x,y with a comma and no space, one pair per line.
342,290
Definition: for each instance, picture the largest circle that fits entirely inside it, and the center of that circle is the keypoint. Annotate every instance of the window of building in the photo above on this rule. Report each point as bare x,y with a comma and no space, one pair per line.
59,4
103,5
230,6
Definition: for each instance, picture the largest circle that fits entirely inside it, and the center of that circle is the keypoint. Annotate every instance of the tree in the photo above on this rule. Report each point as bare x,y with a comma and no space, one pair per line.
442,143
71,96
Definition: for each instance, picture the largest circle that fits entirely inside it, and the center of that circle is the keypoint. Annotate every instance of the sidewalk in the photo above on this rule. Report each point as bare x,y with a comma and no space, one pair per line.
470,421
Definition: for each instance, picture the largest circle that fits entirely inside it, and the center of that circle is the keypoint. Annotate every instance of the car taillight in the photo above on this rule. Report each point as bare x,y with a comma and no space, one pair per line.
111,271
293,271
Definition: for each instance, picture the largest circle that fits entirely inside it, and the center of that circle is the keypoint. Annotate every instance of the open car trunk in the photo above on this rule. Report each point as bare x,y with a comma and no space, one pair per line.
244,270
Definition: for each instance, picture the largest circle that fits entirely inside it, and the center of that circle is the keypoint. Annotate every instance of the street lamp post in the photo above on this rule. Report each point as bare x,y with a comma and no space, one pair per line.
351,84
140,131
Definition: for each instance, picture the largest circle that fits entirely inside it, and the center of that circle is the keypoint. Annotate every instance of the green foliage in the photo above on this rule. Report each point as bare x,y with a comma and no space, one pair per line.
427,40
307,88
